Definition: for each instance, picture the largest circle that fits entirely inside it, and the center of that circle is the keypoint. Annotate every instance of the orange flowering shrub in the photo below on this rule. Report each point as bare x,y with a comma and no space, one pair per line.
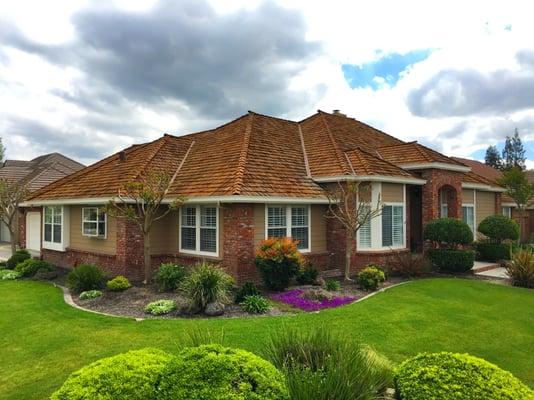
278,261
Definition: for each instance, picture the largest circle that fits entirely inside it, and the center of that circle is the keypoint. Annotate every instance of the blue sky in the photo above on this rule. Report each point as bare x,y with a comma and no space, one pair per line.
529,147
388,67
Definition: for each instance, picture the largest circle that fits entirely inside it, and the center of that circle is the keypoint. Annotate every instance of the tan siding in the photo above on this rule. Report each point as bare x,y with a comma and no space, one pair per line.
318,227
259,224
365,191
468,196
164,236
485,205
392,192
91,244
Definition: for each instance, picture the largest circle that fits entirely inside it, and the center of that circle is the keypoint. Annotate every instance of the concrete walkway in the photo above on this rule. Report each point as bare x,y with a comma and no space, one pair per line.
499,272
5,251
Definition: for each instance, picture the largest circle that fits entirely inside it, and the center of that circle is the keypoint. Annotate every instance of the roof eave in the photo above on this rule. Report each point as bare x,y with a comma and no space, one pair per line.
370,178
435,165
481,186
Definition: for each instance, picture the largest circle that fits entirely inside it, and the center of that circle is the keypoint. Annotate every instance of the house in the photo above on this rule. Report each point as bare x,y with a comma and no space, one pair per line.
508,205
257,177
36,174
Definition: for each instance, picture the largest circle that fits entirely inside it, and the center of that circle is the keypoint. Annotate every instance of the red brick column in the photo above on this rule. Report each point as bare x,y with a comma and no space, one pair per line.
129,258
498,203
435,180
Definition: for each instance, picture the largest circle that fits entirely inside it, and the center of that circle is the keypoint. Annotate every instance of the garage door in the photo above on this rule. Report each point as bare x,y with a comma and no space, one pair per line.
33,231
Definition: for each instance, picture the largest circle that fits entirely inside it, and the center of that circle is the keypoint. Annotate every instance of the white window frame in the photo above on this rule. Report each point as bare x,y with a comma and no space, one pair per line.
289,226
98,212
197,231
65,231
507,213
470,205
403,244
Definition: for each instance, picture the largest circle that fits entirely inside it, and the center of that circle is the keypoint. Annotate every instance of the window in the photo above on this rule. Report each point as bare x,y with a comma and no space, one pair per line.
53,224
365,231
392,226
507,211
468,216
93,222
290,221
199,229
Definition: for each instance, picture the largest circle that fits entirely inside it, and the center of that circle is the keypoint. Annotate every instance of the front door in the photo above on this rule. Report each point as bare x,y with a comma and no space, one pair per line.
33,231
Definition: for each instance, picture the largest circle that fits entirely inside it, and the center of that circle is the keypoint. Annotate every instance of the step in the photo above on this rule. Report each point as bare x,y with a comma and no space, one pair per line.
481,266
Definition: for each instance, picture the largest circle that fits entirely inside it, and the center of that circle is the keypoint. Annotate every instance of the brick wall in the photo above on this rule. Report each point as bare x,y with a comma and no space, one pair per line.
436,180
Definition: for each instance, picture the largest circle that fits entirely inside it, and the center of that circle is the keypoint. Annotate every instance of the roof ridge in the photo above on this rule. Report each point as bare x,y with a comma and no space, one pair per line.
304,153
162,141
242,161
334,144
382,160
271,117
423,153
173,178
208,130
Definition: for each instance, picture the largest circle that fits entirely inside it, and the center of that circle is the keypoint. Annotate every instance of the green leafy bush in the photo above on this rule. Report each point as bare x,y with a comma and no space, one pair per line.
128,376
85,277
2,265
255,304
407,264
321,366
498,228
207,284
160,307
278,260
18,257
449,376
216,372
489,251
90,294
248,289
521,268
169,276
30,266
8,275
448,233
307,275
448,260
332,285
370,277
118,284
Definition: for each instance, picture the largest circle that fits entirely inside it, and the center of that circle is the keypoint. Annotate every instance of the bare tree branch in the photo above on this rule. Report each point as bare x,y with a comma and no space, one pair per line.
11,195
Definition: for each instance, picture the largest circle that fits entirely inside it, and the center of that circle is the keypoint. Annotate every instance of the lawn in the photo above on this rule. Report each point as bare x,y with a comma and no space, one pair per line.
43,339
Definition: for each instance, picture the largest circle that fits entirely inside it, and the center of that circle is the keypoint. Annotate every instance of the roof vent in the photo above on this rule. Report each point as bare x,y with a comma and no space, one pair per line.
338,112
122,156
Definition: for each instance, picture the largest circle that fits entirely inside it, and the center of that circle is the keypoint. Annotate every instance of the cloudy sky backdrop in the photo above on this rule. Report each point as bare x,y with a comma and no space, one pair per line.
88,78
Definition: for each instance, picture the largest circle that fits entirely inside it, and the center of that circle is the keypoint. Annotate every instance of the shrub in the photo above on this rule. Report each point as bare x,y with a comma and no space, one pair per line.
332,285
18,257
448,233
255,304
521,269
118,284
90,294
160,307
248,289
498,228
128,376
489,251
278,260
2,264
8,275
207,284
407,264
447,260
370,277
30,266
169,276
216,372
307,275
321,366
448,376
85,277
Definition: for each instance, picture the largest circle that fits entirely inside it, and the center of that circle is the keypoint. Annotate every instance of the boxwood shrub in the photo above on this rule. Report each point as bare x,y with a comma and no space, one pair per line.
18,257
370,277
30,266
448,233
118,284
216,372
450,376
449,260
498,228
489,251
128,376
85,277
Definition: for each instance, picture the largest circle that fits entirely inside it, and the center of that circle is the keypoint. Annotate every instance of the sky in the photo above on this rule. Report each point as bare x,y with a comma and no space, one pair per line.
88,78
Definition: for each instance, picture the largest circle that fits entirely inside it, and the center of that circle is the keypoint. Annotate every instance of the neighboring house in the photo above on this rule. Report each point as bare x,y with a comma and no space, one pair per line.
36,174
258,177
508,205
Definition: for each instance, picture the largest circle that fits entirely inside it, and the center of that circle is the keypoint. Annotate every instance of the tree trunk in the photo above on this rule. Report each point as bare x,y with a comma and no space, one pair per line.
146,253
13,239
348,255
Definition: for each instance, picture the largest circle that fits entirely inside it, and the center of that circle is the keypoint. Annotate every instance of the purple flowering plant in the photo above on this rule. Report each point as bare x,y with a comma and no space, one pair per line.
295,298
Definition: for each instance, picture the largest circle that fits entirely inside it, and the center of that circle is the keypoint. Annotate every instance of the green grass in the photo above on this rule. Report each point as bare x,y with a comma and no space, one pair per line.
42,339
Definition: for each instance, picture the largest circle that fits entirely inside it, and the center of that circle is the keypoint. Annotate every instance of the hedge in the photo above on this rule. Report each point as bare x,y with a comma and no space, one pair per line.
447,260
493,251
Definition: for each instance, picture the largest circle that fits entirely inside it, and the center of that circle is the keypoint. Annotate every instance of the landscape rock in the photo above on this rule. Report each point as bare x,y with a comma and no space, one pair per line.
214,309
317,294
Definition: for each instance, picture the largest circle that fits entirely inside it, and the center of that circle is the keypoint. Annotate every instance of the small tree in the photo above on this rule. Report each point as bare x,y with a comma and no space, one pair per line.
517,186
140,202
2,151
493,158
11,195
350,204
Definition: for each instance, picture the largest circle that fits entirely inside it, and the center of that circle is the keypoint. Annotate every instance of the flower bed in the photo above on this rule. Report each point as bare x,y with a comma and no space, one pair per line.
295,298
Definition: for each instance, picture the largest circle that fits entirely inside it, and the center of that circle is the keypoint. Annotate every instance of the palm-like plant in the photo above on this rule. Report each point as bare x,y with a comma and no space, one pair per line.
207,284
521,268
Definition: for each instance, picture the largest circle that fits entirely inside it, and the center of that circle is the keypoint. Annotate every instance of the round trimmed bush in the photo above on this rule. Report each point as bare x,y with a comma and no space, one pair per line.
370,277
119,284
222,373
169,276
498,228
448,260
448,231
450,376
85,277
493,251
128,376
30,266
17,258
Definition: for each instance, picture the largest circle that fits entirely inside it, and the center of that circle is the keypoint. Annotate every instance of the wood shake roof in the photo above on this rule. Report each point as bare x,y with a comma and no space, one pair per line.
253,155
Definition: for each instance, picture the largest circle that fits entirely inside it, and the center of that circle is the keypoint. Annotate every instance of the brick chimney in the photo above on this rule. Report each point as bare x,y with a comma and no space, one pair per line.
338,112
